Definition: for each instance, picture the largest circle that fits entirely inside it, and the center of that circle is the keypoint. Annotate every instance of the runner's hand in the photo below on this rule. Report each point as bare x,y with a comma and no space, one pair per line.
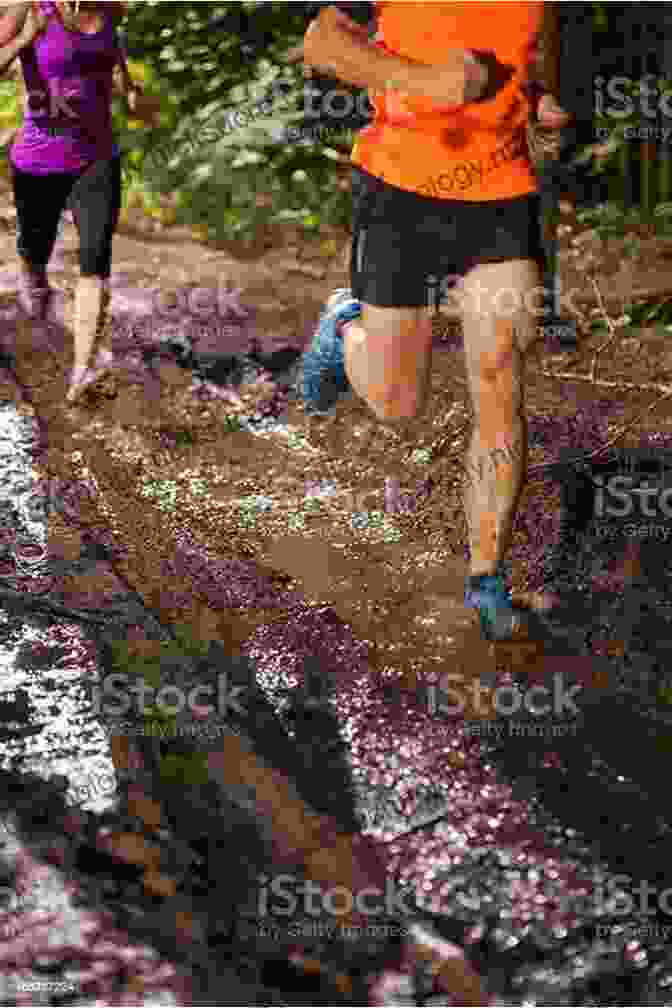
34,24
468,77
545,132
324,36
550,115
144,107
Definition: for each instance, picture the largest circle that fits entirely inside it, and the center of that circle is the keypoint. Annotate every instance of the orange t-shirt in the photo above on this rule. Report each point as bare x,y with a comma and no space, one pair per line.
471,152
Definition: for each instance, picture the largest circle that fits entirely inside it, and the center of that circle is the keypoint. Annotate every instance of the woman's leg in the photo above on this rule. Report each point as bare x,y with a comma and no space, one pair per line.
96,201
39,201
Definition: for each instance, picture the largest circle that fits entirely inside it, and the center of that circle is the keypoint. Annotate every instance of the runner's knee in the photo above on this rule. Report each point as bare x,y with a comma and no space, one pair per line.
498,364
398,349
397,406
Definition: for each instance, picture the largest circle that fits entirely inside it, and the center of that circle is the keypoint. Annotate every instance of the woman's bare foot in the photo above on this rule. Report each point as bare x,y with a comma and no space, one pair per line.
82,378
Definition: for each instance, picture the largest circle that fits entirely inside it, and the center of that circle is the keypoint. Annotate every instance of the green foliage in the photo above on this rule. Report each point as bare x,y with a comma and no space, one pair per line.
610,220
647,314
10,111
202,65
190,770
184,439
600,17
231,183
157,664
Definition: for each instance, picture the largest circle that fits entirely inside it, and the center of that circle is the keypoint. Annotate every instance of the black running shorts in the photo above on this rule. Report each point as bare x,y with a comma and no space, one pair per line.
405,245
95,199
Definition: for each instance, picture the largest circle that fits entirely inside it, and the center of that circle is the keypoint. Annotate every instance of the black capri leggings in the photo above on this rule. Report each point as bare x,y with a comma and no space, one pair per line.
95,199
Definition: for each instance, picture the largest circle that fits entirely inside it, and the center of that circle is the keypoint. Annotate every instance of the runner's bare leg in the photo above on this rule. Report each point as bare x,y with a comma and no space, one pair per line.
499,325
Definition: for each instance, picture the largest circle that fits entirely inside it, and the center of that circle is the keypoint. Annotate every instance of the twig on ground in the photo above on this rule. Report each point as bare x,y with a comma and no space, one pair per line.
23,601
613,332
665,391
604,383
666,394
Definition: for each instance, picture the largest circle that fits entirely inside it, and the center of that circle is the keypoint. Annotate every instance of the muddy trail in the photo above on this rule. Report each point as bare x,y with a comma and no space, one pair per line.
527,839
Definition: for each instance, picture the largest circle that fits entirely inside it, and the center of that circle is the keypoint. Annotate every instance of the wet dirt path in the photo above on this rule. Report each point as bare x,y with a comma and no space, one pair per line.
460,812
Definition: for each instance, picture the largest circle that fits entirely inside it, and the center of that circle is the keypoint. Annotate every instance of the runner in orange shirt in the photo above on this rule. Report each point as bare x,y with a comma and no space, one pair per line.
443,188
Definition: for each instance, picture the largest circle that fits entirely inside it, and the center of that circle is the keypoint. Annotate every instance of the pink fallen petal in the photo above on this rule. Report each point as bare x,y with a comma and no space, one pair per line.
104,950
128,954
388,987
163,974
392,495
86,978
226,394
56,855
40,918
22,953
135,761
104,969
216,762
408,504
72,825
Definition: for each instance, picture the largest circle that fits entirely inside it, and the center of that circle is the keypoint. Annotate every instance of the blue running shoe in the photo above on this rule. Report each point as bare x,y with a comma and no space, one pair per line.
500,619
324,380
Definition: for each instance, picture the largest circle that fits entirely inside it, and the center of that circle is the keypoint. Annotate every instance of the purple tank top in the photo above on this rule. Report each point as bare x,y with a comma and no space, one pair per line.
68,114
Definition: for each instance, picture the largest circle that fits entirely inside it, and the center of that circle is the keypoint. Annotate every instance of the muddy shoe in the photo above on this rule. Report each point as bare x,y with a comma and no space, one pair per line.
501,620
323,379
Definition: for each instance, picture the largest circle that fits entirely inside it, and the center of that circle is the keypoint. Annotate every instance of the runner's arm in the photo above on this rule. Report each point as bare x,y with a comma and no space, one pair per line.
341,47
361,14
123,80
545,73
12,39
140,106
